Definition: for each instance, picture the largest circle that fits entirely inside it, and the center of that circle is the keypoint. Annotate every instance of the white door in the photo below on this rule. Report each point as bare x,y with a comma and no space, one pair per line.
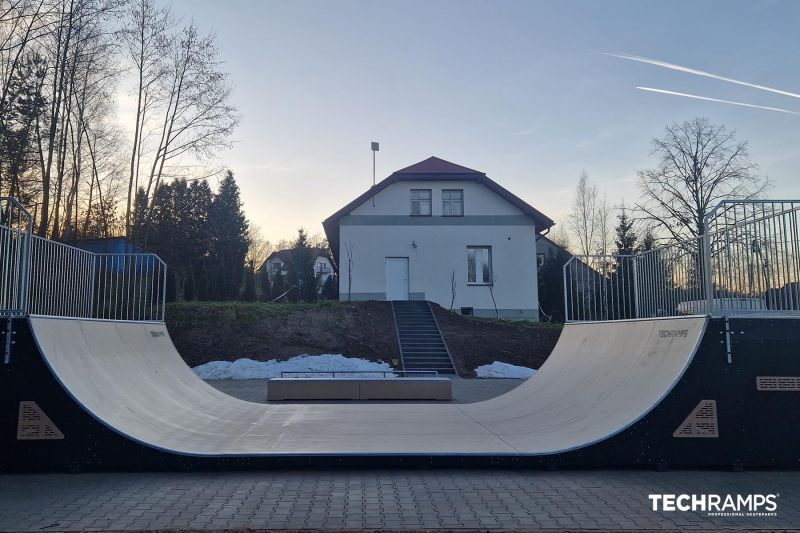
397,278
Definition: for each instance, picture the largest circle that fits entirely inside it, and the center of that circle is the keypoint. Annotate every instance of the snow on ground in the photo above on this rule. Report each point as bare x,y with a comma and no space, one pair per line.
504,370
249,369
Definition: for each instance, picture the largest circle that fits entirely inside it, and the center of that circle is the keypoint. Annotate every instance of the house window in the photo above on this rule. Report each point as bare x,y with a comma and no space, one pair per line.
540,259
453,202
479,265
421,202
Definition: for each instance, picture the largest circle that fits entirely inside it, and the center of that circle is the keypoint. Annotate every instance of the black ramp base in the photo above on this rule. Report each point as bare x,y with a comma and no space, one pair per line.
737,404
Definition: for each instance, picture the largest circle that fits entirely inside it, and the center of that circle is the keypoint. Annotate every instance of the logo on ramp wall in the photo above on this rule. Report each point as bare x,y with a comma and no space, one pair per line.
717,504
33,424
679,333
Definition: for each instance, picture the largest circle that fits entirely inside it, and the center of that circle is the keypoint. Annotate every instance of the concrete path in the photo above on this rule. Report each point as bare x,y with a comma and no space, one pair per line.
404,500
464,390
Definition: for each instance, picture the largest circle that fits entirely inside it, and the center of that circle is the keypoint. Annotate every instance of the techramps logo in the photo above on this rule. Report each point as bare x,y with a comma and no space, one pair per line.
733,505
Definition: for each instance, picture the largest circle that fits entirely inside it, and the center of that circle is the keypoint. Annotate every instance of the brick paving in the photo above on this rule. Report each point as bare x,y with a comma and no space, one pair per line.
381,500
464,390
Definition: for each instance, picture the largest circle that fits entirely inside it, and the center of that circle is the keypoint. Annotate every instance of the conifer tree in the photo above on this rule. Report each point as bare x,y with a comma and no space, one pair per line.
278,285
329,291
266,292
229,243
249,292
626,238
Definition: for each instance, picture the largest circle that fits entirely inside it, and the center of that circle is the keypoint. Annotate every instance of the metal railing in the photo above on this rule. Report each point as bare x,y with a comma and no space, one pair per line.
748,261
754,252
44,277
356,373
15,237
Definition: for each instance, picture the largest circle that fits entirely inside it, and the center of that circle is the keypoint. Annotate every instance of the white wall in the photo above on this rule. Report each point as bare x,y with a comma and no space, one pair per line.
441,249
396,199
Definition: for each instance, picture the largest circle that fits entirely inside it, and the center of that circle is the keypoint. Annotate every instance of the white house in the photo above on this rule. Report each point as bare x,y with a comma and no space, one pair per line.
441,232
279,261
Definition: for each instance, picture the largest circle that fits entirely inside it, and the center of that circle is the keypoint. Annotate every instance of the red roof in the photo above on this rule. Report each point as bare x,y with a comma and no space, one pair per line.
434,165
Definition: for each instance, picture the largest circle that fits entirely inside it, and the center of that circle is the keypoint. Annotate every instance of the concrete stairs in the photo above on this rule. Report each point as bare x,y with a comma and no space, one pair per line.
421,344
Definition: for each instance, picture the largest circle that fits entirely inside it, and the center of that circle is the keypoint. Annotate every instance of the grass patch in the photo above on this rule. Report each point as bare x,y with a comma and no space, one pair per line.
516,323
183,314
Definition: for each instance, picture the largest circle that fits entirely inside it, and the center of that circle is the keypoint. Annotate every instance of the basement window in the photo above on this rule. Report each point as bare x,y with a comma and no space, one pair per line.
479,265
421,202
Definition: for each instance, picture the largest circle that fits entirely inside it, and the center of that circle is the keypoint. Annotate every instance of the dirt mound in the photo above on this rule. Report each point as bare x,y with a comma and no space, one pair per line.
226,331
207,331
478,341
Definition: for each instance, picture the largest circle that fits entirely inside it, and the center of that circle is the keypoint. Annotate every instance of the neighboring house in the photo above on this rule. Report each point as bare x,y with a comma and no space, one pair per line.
546,247
280,261
433,225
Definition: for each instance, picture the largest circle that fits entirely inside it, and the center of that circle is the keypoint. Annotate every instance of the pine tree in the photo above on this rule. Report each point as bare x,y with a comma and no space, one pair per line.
278,285
648,242
551,285
266,292
202,284
329,291
189,289
229,243
249,292
625,236
301,269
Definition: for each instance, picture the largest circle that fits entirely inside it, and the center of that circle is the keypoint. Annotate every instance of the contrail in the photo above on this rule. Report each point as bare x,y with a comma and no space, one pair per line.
706,98
696,72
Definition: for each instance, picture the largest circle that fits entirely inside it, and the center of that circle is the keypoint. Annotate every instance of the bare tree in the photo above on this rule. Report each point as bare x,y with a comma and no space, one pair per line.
590,218
560,236
197,118
349,247
452,288
145,39
700,164
259,248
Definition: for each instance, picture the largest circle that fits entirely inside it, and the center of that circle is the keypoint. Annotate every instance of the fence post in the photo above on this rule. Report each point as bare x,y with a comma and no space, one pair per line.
25,283
708,270
564,276
635,286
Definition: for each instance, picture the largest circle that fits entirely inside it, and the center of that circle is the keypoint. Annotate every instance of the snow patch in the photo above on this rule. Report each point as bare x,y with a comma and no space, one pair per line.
250,369
504,370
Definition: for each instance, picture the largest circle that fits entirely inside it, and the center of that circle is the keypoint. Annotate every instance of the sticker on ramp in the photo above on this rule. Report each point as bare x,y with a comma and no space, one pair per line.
33,424
778,383
701,422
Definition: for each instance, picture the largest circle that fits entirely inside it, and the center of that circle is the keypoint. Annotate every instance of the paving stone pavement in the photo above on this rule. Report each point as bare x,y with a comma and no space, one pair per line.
388,500
464,390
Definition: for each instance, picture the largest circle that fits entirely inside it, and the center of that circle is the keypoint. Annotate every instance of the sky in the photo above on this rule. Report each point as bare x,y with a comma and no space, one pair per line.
521,90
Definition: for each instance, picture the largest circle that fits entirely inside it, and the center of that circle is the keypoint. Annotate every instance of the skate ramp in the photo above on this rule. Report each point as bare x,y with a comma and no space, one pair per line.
600,379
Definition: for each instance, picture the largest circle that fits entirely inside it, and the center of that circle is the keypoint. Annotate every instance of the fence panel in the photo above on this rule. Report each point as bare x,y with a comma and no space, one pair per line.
15,231
747,262
44,277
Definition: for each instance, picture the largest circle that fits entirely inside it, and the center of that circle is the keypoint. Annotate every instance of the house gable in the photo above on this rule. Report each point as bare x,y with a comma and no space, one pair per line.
389,194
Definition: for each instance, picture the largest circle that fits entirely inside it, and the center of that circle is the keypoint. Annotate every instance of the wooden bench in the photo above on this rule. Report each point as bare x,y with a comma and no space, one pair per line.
359,389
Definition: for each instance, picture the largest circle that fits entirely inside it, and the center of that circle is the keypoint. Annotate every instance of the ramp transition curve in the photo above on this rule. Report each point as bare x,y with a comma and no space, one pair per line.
89,394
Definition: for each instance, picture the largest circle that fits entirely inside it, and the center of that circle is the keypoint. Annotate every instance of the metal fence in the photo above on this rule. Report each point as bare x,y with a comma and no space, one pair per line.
44,277
15,232
747,262
754,253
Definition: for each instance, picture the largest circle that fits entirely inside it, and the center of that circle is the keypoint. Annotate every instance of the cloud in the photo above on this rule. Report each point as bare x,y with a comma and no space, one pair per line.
706,98
696,72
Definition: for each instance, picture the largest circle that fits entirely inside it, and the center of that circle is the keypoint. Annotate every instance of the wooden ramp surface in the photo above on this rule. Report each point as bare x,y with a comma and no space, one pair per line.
600,379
